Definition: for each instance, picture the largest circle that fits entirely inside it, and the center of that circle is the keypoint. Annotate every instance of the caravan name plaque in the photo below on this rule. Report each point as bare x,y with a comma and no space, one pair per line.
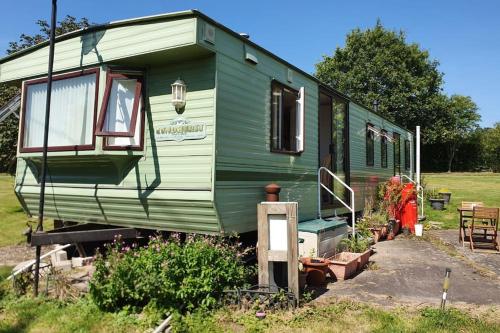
181,129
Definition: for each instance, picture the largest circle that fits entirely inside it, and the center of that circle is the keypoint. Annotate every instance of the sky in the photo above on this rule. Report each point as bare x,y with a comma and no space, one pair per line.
463,35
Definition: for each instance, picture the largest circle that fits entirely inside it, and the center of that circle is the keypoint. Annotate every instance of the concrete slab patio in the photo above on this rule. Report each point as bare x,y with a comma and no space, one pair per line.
411,271
490,259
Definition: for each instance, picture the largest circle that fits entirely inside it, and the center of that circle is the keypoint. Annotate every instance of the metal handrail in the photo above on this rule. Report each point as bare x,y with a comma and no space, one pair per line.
420,189
321,185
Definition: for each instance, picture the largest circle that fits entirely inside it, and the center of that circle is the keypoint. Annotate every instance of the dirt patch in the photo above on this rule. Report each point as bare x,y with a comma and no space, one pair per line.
14,254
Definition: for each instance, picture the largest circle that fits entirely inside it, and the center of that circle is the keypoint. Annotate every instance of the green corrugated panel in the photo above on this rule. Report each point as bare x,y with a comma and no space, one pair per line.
103,46
170,187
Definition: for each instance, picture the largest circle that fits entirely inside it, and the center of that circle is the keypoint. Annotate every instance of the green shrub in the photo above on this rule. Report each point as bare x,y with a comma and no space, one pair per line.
167,274
354,244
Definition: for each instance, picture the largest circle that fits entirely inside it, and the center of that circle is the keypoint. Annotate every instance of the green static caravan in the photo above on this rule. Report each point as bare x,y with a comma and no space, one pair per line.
121,154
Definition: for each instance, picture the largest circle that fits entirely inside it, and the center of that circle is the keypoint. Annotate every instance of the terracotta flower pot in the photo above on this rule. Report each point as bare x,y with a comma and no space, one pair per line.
377,234
302,279
343,265
316,270
364,258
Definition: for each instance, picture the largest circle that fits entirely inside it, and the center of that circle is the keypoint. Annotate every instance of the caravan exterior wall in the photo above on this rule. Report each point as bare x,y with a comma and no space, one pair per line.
208,184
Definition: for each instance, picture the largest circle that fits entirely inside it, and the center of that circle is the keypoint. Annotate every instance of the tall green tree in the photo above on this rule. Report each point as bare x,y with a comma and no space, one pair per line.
9,128
457,123
380,65
490,146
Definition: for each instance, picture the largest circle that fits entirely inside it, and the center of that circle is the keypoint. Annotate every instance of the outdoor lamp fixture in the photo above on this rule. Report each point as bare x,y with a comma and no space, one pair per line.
178,95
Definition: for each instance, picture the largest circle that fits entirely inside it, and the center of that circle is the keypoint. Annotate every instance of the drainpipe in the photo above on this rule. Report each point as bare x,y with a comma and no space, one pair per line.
43,171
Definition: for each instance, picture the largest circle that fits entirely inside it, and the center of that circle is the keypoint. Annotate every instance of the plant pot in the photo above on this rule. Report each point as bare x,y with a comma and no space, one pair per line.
302,279
343,265
384,231
446,196
391,226
364,258
406,231
437,204
315,269
397,227
377,233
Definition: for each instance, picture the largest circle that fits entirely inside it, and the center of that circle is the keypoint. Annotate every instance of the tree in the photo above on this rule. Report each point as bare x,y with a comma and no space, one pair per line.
457,123
9,128
490,146
68,24
379,65
8,132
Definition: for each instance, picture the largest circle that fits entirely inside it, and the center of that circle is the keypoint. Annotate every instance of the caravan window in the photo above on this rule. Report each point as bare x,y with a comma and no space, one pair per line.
370,146
72,112
121,116
287,119
407,154
397,153
383,149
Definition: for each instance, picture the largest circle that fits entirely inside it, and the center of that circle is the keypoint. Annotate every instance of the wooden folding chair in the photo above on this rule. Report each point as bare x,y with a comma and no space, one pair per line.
486,220
465,216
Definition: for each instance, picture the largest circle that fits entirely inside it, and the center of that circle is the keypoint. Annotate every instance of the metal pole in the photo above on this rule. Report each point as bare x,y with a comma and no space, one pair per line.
353,215
418,156
446,286
319,193
43,171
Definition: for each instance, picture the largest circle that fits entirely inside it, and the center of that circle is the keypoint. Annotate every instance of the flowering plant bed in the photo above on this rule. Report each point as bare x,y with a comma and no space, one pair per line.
343,265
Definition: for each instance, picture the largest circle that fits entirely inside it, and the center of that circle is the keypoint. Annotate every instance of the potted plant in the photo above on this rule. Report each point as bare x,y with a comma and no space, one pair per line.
359,246
436,202
377,223
445,194
391,203
343,265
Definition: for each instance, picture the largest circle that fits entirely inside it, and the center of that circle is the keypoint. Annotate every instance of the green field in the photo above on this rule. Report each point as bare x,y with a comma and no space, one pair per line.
483,187
12,218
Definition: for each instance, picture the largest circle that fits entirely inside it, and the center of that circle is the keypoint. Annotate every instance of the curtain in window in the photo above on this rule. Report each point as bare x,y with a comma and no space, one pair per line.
119,113
71,112
128,141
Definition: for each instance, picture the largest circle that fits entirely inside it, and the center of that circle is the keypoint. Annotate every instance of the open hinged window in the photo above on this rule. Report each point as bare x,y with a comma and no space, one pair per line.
121,118
287,119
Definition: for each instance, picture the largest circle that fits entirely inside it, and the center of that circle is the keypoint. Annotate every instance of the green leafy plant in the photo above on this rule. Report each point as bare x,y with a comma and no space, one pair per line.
168,274
431,193
444,190
354,244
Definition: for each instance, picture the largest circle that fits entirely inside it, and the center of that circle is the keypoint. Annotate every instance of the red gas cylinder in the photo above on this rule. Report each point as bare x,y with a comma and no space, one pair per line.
409,209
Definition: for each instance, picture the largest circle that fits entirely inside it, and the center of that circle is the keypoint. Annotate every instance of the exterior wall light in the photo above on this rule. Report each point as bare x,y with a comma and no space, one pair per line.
179,94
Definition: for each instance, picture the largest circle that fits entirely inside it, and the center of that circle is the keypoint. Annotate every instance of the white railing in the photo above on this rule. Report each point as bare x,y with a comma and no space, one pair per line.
349,207
30,263
420,192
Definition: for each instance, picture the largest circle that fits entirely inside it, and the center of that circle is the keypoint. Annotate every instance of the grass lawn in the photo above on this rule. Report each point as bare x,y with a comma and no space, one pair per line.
483,187
344,316
12,218
24,314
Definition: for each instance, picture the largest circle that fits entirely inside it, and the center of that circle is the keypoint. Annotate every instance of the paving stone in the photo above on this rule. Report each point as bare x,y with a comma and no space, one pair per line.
412,271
